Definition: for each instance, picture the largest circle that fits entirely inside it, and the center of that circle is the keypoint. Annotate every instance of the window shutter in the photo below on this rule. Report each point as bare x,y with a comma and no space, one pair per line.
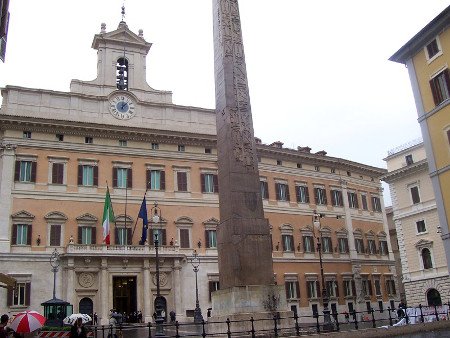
307,194
347,250
114,172
96,175
286,288
393,287
55,173
369,285
356,201
14,234
184,238
55,235
162,178
308,289
33,171
216,183
318,288
80,235
163,239
291,239
94,235
333,198
210,288
9,297
116,236
277,190
353,288
288,198
297,193
202,182
297,288
283,240
337,288
435,92
17,171
27,293
130,178
325,196
129,236
80,174
29,230
316,195
182,181
313,245
304,243
147,179
61,173
207,239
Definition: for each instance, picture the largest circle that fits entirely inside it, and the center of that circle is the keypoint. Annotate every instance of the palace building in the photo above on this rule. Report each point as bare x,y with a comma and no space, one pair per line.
60,151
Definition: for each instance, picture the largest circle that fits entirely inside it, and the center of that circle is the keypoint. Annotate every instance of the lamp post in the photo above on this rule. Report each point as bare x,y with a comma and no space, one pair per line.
327,325
159,301
54,262
195,261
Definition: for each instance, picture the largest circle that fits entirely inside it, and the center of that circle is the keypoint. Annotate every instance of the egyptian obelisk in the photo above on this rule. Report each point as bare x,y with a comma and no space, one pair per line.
243,236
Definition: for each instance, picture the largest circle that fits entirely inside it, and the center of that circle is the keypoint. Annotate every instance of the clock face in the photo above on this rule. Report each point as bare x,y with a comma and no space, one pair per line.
122,107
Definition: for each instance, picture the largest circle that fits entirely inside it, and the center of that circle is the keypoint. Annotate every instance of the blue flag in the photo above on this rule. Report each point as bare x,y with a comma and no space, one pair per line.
143,215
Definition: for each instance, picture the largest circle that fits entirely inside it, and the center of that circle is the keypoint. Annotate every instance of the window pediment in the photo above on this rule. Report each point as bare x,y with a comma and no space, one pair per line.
87,219
423,243
184,220
342,232
212,222
22,216
120,220
55,216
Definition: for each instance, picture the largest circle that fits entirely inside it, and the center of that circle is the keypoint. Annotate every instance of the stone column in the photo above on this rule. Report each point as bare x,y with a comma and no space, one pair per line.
146,292
348,221
104,291
386,226
243,235
176,285
7,161
70,287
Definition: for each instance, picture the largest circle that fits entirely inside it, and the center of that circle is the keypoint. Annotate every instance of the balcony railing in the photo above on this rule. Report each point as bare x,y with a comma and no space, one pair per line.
96,249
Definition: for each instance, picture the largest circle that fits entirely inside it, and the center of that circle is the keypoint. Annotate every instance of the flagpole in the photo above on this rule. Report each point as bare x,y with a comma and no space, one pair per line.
126,203
137,218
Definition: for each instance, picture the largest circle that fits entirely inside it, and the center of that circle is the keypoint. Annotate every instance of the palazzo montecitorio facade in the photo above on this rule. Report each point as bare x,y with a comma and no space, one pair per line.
60,151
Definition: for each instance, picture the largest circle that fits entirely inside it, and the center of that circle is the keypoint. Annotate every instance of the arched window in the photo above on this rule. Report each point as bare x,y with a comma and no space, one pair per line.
434,297
122,74
426,258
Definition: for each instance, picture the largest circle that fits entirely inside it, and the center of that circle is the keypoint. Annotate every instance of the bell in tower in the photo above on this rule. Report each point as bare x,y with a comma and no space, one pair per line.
122,74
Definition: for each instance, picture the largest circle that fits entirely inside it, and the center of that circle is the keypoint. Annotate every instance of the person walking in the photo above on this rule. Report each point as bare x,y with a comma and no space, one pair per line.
78,330
95,318
4,331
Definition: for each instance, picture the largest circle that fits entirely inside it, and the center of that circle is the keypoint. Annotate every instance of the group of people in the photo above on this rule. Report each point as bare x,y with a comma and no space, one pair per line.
5,331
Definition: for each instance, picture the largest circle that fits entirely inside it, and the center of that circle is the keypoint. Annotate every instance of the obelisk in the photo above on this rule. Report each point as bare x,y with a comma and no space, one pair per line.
243,236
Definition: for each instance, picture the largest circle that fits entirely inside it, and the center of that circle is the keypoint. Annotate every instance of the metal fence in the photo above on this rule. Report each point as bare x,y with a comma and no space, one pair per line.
279,326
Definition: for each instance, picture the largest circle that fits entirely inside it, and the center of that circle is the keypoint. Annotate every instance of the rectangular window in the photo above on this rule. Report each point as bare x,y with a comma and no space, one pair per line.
308,243
383,247
371,245
210,183
122,236
155,146
440,87
158,234
352,200
366,287
88,175
327,245
282,190
364,202
432,49
184,238
292,290
60,137
25,171
302,193
123,143
211,238
390,287
88,140
27,134
316,168
312,287
409,159
421,226
349,288
332,288
264,189
377,287
156,180
20,295
213,286
343,245
21,234
380,306
376,204
320,196
279,162
207,150
181,147
359,245
288,242
415,197
122,177
182,181
86,235
58,173
336,198
55,235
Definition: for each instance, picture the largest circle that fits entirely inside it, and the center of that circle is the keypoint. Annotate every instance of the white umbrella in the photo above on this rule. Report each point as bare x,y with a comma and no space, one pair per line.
73,318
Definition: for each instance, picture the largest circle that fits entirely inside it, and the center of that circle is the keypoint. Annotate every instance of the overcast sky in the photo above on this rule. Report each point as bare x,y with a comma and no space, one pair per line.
318,71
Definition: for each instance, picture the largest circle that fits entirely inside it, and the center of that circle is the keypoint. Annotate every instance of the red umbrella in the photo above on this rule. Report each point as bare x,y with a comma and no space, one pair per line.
27,321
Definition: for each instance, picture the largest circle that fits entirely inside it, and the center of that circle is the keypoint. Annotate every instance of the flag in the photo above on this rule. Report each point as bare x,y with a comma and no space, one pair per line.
108,217
143,215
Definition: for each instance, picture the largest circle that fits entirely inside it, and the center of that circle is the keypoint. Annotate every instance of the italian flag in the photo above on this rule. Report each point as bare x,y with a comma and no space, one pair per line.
108,217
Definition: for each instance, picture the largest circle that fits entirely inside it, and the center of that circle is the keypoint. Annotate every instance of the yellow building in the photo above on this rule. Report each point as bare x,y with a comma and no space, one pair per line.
61,150
427,56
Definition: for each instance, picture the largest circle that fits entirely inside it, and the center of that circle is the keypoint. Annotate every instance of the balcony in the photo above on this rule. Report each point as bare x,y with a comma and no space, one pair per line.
127,250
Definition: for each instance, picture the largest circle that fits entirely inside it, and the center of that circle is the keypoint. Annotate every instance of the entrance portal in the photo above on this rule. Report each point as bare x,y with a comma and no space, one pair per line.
124,294
86,306
434,297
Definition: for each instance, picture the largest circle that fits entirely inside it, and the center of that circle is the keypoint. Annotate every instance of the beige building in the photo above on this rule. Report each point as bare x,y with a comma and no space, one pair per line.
61,150
415,214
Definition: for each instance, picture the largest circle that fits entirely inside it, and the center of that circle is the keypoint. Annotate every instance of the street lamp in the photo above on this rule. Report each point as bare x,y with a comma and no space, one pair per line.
327,325
159,301
54,262
195,261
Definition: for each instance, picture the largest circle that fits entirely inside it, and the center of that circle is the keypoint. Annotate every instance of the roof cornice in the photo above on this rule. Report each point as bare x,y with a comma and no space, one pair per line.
405,171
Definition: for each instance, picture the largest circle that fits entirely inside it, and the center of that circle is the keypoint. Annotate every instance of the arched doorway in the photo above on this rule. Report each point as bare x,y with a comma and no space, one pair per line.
434,297
86,306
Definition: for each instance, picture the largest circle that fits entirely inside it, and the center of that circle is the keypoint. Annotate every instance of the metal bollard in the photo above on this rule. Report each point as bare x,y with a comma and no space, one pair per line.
436,313
228,330
149,330
316,315
297,327
275,328
390,318
203,329
177,327
253,327
374,325
355,319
